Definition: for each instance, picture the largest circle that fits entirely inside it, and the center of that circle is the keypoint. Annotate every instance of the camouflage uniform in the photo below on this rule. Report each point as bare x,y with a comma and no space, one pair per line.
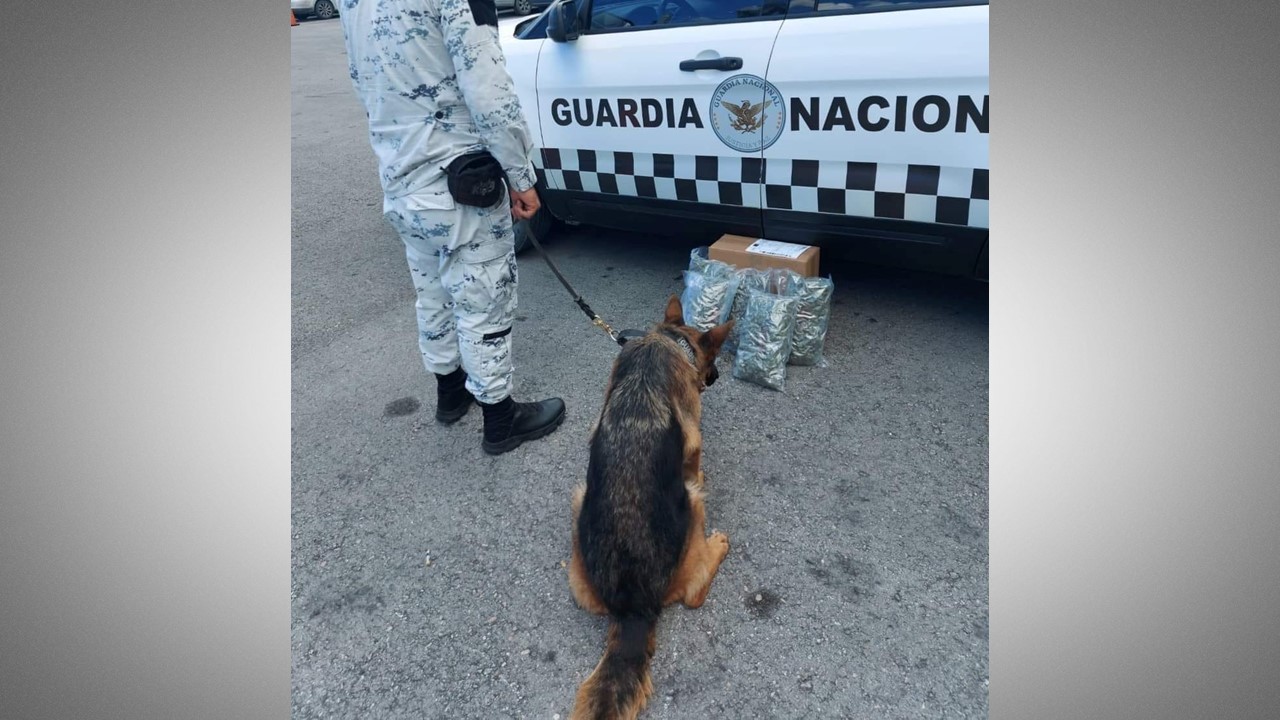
434,84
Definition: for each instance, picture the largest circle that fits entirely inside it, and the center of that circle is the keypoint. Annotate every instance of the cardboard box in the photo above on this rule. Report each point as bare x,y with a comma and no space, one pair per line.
759,253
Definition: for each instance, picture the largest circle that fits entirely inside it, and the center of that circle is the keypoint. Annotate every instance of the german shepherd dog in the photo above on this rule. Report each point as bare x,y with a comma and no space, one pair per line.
638,523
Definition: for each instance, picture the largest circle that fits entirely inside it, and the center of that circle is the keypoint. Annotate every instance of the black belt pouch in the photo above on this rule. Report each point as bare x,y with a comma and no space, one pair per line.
476,179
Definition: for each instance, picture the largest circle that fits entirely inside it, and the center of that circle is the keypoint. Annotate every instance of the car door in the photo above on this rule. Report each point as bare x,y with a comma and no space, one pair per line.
886,148
634,119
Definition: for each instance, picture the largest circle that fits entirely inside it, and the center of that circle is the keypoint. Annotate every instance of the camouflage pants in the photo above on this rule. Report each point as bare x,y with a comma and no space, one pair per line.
462,260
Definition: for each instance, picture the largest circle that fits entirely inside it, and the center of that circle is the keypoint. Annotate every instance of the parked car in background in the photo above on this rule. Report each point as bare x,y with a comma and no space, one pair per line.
523,7
323,9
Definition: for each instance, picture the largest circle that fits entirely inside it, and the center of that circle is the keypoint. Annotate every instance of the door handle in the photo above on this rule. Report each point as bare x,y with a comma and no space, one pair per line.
724,63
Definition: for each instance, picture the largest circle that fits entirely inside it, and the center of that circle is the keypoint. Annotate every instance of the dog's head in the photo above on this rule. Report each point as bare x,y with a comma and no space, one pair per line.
706,345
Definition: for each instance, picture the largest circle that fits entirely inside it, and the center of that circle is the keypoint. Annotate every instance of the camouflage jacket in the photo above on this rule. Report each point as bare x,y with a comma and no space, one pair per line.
434,84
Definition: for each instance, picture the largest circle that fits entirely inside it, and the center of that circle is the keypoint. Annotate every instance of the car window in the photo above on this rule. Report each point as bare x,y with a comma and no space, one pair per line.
534,28
841,7
610,15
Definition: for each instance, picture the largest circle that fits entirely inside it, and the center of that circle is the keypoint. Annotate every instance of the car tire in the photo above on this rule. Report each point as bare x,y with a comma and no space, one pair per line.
324,9
542,223
523,7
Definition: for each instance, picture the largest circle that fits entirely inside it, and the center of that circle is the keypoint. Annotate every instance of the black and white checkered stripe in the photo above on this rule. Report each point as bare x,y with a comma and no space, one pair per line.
924,193
700,178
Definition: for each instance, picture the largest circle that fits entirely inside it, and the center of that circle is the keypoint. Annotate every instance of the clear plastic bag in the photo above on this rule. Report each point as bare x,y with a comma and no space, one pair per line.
707,297
784,282
764,343
698,258
700,262
812,318
749,280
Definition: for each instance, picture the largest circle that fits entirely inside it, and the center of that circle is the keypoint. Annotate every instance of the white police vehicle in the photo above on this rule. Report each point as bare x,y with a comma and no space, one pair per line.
856,124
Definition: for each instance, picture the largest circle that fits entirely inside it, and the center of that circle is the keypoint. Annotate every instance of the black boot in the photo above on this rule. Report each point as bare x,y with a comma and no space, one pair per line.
452,398
509,423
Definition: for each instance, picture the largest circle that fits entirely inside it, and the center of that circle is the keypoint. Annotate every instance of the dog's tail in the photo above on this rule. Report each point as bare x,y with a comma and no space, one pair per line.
620,685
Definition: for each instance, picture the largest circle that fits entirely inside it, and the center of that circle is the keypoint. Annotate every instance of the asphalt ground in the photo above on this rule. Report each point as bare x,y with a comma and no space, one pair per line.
428,579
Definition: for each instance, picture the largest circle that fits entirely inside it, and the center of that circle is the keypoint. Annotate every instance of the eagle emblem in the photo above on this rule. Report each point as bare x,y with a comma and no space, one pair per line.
745,114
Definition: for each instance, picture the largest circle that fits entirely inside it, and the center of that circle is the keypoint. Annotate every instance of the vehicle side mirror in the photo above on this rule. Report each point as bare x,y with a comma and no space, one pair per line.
562,22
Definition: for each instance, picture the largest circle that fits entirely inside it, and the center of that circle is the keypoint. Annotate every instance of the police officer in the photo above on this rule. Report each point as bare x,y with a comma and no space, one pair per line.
434,84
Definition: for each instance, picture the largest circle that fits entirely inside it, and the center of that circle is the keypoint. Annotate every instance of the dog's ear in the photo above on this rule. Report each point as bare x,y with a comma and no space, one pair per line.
712,339
675,313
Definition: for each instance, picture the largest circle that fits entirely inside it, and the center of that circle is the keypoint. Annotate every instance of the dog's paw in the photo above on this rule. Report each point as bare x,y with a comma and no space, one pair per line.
719,542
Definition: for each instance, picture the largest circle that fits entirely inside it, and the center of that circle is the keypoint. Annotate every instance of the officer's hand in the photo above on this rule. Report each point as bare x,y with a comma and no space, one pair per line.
524,204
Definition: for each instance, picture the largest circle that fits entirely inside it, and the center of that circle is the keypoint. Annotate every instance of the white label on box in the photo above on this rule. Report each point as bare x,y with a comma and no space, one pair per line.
776,248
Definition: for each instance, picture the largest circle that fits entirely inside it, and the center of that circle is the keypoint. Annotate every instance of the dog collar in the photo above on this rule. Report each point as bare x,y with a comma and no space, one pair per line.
689,353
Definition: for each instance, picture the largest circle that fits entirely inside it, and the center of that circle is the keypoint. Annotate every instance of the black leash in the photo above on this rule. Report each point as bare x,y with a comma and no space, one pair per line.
619,338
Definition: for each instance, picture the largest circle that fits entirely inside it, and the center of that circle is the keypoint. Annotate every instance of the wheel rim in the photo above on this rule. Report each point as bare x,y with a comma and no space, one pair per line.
523,6
324,10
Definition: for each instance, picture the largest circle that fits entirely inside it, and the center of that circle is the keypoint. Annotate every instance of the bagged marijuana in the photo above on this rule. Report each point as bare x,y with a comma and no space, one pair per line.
698,258
707,297
701,263
812,317
764,343
750,279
